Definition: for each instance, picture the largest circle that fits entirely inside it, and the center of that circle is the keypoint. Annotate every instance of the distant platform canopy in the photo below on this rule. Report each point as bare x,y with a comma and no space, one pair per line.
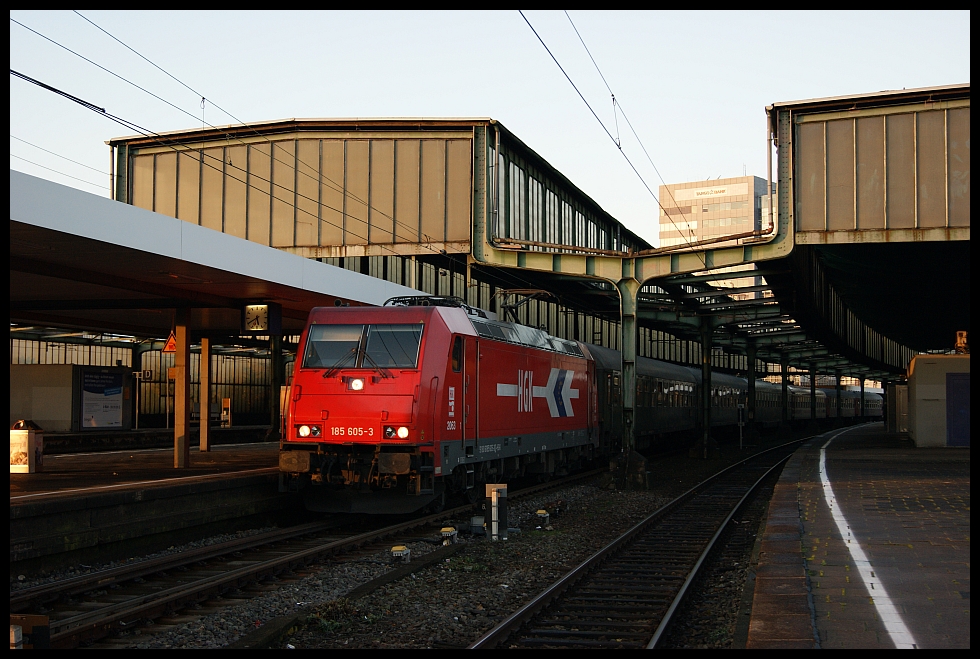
889,166
80,260
325,188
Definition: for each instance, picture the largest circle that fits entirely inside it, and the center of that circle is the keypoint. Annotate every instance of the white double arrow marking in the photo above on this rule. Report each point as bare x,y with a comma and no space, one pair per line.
558,392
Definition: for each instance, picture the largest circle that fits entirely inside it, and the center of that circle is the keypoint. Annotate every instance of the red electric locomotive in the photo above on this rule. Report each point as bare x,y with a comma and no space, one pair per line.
392,409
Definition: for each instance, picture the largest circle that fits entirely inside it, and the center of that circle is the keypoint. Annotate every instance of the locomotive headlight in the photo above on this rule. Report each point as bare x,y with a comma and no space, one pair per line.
316,431
356,384
304,431
390,432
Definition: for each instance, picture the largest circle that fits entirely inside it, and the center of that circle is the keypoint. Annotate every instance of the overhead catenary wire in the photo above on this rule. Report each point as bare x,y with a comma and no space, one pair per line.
96,169
336,186
584,100
104,187
617,139
162,141
318,176
616,104
628,123
505,272
619,142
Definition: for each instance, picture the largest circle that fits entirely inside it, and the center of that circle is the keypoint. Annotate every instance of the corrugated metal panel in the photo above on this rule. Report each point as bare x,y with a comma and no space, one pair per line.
407,190
212,188
931,168
165,197
236,190
283,194
381,210
307,192
958,126
351,190
356,213
143,181
433,193
900,167
459,189
840,175
810,181
883,169
189,186
332,189
870,154
259,199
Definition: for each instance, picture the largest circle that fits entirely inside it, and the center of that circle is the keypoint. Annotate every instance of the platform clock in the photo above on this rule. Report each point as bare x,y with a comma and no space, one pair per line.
261,318
256,317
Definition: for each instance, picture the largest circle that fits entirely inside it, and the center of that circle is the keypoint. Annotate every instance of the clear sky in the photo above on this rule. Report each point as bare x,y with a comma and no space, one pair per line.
694,85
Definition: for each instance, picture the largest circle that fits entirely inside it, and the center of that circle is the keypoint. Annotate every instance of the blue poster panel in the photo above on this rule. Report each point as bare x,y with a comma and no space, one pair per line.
102,399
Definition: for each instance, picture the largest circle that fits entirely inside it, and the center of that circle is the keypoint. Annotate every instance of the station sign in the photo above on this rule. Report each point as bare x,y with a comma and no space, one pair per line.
171,344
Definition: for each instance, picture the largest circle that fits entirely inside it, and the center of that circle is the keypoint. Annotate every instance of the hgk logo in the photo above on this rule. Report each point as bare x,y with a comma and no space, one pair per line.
525,391
558,392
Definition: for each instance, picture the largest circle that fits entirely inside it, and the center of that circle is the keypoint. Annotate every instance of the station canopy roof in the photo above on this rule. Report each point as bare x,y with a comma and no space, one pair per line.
83,262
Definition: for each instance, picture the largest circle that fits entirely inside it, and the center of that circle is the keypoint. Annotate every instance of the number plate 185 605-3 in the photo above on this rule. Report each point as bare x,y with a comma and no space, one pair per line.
351,431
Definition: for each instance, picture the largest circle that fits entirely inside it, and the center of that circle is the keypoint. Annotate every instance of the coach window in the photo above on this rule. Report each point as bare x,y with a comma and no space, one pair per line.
457,354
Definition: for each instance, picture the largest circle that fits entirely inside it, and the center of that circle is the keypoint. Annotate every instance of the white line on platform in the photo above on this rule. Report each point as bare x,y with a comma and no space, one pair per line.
899,633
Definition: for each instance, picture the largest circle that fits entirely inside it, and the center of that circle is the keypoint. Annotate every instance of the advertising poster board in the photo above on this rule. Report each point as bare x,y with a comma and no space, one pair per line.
102,399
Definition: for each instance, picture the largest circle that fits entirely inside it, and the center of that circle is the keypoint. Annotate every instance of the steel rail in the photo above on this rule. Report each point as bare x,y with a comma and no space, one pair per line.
90,625
517,620
75,629
105,578
668,616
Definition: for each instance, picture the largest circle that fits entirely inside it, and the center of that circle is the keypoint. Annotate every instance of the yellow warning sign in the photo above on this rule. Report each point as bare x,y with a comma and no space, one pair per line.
171,345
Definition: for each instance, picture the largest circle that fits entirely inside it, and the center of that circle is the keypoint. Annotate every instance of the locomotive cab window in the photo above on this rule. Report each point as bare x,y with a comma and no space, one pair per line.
457,354
393,345
330,346
359,346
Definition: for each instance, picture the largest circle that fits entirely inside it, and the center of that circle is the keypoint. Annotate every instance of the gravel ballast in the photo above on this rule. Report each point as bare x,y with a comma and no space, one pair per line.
452,602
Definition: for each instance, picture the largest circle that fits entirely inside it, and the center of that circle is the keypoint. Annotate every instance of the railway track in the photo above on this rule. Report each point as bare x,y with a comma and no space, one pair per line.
625,595
89,607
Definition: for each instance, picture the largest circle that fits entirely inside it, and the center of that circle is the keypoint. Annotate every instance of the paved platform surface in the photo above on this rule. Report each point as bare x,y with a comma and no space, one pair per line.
866,546
89,474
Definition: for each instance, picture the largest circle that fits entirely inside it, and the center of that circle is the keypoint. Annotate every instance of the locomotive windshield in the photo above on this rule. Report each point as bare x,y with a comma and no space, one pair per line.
363,346
393,345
